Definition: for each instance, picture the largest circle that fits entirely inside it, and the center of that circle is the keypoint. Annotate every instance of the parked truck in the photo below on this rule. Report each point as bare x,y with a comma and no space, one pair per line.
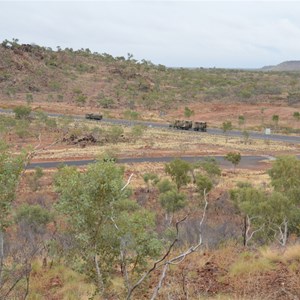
93,117
187,125
200,126
182,124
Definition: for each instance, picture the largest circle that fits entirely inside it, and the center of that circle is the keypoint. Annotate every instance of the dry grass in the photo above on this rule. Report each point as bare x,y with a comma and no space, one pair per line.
250,264
58,282
162,142
287,255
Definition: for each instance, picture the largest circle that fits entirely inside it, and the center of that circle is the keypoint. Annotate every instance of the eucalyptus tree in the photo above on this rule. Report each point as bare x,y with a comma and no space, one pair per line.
226,126
234,158
108,228
179,169
11,167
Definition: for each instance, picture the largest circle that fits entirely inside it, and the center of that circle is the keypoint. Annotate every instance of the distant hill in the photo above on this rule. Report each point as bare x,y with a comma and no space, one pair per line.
292,65
33,73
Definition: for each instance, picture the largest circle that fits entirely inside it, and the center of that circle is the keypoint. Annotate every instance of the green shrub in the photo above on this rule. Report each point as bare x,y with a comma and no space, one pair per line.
22,112
131,115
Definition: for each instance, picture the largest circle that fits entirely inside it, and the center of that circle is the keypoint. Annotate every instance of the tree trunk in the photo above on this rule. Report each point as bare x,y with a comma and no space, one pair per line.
1,254
245,231
100,283
285,233
124,270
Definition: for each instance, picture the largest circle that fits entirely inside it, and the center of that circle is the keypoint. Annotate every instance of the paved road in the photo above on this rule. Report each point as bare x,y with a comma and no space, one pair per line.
214,131
247,162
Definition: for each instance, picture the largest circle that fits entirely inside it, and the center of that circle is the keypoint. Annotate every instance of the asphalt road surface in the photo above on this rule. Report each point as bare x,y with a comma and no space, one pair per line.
247,162
214,131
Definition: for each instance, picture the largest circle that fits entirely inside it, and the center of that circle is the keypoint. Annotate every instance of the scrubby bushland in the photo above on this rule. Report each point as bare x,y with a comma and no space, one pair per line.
44,74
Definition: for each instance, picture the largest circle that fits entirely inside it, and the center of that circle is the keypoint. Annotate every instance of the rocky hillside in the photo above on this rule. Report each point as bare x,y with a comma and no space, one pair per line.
32,73
293,65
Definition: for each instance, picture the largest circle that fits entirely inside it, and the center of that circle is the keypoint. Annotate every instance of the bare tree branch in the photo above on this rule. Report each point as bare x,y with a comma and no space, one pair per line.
128,182
248,236
178,259
156,264
175,260
159,285
282,239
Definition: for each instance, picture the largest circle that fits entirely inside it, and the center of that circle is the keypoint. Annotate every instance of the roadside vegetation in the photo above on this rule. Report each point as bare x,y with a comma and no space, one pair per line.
174,230
113,227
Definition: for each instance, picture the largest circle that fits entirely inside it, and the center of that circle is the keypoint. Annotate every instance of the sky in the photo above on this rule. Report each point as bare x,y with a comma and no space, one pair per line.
221,34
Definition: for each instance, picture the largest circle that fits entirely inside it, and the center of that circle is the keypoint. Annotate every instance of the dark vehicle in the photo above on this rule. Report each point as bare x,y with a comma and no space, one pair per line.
93,117
187,125
182,124
200,126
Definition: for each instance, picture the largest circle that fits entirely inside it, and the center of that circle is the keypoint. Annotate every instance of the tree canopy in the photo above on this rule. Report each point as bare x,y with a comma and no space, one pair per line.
178,170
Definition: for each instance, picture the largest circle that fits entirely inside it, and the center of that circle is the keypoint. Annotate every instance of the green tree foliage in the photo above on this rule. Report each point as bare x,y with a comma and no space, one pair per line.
296,115
34,179
7,123
81,99
179,169
10,170
172,201
34,216
22,112
11,44
165,185
29,98
279,207
246,136
87,199
233,157
60,98
22,128
226,126
293,97
150,179
106,102
131,115
203,184
285,178
43,120
104,223
283,216
285,174
250,202
210,166
275,119
188,112
241,120
278,211
137,239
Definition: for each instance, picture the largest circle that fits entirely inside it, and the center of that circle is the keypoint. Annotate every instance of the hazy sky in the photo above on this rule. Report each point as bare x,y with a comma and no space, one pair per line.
225,34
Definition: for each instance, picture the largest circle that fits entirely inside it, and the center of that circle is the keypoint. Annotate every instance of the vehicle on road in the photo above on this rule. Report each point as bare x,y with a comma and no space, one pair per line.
200,126
93,116
187,125
182,124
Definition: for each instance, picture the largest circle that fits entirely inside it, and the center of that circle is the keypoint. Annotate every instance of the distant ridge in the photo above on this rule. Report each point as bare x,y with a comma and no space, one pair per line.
292,65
